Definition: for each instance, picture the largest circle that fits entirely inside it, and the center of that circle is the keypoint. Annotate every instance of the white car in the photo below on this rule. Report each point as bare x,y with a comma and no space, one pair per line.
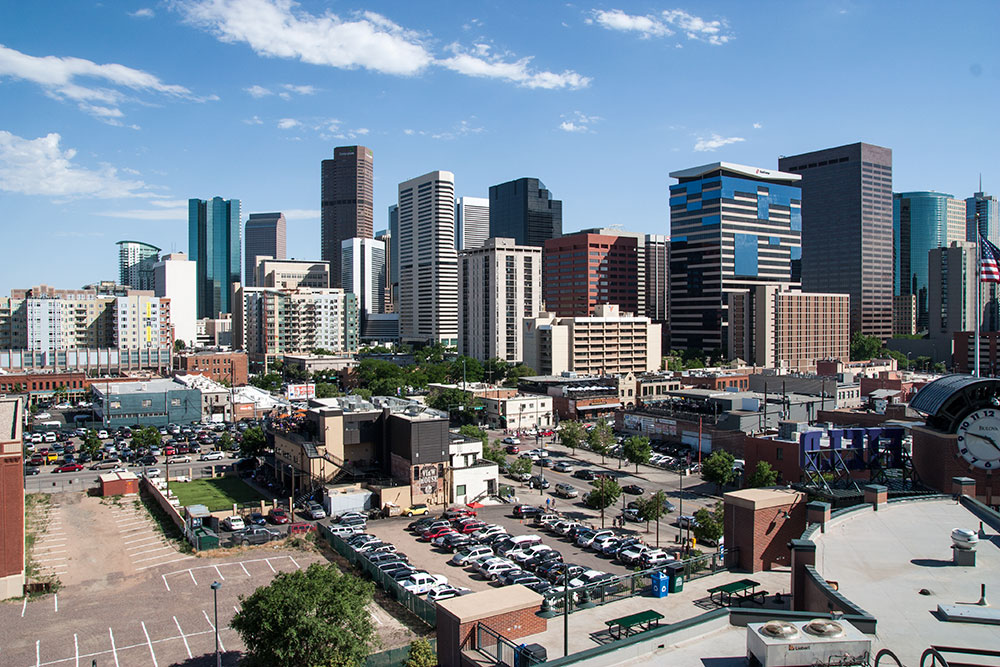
445,591
422,582
62,406
50,437
183,458
152,473
586,540
212,456
37,438
233,523
585,578
633,554
510,441
42,415
102,434
468,554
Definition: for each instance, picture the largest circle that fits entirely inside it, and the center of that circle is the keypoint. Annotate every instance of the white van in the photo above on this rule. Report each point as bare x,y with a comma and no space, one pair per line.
519,543
345,531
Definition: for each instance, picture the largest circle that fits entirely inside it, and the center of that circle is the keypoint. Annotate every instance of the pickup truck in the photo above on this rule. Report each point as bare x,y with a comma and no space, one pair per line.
421,582
256,535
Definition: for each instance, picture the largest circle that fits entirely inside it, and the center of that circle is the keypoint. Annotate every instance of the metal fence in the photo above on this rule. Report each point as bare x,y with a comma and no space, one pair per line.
394,657
501,650
426,611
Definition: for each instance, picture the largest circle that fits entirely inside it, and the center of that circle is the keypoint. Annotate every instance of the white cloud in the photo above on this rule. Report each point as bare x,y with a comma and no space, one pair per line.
301,90
60,78
462,129
757,126
287,123
40,167
281,29
176,214
408,132
715,141
258,91
254,121
665,24
578,122
144,13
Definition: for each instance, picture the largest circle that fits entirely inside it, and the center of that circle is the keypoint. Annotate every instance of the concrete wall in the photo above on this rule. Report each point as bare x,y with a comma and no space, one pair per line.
146,486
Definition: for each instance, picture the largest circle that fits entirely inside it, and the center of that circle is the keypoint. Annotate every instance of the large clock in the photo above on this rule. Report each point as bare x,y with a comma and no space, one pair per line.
979,438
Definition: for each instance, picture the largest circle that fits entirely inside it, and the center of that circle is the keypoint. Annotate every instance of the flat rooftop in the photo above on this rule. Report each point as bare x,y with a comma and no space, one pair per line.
881,560
146,386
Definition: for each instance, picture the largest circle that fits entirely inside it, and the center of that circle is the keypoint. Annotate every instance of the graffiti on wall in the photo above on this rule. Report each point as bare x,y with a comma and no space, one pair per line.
427,480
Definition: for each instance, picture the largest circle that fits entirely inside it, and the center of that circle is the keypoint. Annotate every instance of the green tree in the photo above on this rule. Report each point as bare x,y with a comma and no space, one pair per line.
433,354
316,617
710,524
366,394
421,654
327,390
59,394
322,352
179,345
474,432
296,374
654,508
450,400
494,452
495,370
718,468
254,442
939,367
472,372
865,347
520,466
637,450
763,475
146,437
91,443
225,442
571,434
605,493
601,438
515,373
267,381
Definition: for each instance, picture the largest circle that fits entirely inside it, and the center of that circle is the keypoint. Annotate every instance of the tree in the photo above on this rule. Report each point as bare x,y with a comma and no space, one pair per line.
471,372
91,443
326,390
495,453
322,352
637,450
146,437
254,442
449,400
606,492
939,367
179,345
495,370
520,466
600,439
474,432
709,525
433,354
571,434
718,468
225,442
763,475
267,381
59,394
421,654
517,372
363,393
315,617
296,374
652,509
865,347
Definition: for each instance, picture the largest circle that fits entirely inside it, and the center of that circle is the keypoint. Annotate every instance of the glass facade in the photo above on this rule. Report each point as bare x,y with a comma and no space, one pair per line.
524,210
214,241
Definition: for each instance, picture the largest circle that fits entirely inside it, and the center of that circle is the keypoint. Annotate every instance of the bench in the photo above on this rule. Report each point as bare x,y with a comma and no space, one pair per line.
744,589
644,619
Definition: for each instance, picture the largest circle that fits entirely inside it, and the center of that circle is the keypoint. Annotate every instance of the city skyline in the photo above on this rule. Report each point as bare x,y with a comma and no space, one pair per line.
96,153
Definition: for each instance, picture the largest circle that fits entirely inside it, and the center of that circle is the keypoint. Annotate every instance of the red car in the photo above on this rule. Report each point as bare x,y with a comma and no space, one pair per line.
453,513
69,467
278,516
437,532
513,449
473,526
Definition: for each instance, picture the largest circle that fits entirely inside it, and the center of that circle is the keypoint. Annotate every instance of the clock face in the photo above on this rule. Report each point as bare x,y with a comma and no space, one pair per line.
979,439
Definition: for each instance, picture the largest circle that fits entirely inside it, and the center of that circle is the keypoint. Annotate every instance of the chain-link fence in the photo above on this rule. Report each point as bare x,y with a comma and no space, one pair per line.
394,657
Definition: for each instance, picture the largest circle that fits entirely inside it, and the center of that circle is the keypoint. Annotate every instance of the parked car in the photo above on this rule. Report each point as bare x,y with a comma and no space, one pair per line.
212,456
494,570
510,441
654,558
471,552
545,462
521,511
453,513
586,475
31,470
416,509
420,583
632,554
233,523
420,524
437,532
256,535
277,516
315,511
69,467
633,490
538,482
563,466
182,458
686,521
257,519
512,449
445,591
566,491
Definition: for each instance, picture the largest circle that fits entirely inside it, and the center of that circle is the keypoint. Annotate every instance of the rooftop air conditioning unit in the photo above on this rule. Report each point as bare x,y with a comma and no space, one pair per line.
963,538
801,644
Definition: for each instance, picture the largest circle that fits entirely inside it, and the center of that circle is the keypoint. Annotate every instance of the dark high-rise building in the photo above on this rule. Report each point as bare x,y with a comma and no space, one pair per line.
214,245
847,229
265,237
348,191
524,210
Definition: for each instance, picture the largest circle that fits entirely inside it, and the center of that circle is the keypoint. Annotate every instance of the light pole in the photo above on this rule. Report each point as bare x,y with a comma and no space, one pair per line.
215,598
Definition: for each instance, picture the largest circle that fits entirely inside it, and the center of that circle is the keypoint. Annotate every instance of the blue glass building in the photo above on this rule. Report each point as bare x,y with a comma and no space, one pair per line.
214,244
731,227
921,221
988,209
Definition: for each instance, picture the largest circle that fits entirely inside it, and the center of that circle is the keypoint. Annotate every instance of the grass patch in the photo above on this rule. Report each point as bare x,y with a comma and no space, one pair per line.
164,524
216,494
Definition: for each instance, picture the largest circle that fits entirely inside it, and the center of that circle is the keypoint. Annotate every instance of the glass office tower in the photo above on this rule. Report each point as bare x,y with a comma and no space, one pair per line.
214,245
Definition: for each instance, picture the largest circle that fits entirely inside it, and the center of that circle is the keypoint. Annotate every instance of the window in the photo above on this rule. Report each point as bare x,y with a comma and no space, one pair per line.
779,453
147,402
460,490
116,405
416,473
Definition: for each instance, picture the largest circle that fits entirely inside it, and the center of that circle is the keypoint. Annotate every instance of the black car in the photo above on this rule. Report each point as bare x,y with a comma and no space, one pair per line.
31,470
633,490
587,475
522,511
147,461
538,482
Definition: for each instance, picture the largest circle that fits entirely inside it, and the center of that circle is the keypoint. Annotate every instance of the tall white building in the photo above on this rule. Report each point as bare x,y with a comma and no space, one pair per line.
472,222
135,264
363,273
428,262
174,278
135,320
500,286
141,321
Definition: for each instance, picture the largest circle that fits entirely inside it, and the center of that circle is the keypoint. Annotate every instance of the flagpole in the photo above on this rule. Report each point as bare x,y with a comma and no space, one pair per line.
979,296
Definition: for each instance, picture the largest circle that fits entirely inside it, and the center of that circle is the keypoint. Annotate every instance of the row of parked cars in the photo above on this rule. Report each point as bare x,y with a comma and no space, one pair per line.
627,550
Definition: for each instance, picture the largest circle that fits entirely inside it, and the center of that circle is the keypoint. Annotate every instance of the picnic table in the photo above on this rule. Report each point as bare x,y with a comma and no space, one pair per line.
744,589
624,625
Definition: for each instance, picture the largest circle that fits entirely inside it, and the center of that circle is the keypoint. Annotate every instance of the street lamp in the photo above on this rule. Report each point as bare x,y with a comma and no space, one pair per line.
215,598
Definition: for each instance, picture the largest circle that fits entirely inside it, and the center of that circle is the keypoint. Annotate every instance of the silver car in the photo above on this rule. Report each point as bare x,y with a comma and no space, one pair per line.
566,491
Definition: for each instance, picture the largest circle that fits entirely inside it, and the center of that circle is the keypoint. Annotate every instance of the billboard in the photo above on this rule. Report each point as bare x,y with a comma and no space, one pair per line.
300,392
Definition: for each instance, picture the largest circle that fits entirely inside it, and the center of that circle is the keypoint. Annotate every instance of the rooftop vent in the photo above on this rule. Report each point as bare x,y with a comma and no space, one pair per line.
781,629
824,627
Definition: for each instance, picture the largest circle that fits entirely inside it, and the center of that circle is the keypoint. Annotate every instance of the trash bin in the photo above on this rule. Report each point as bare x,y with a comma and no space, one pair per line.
527,655
661,584
676,572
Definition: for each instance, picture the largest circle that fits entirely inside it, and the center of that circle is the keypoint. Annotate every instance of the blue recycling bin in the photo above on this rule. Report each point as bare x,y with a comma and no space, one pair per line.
661,584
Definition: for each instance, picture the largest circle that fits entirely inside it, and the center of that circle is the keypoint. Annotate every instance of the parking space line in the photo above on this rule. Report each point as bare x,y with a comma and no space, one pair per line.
222,646
151,557
140,539
147,551
143,542
183,637
165,582
218,572
46,560
375,616
38,652
297,566
236,609
128,525
24,606
114,651
268,561
244,569
54,551
151,653
76,650
192,576
55,601
176,560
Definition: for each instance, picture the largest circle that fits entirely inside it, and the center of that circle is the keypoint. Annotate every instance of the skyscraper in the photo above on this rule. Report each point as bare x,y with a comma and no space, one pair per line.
732,227
847,229
135,264
428,263
388,294
500,287
363,270
590,268
393,260
524,210
953,281
921,222
347,193
472,222
174,279
214,245
989,217
265,237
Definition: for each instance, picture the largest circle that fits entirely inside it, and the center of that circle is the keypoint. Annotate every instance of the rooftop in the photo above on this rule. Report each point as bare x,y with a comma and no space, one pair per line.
151,386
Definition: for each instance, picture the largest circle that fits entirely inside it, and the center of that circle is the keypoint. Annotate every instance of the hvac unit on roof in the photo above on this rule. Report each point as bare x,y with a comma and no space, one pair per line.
823,641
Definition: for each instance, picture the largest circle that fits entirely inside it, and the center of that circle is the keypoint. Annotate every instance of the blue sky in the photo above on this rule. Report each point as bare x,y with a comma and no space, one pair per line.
114,114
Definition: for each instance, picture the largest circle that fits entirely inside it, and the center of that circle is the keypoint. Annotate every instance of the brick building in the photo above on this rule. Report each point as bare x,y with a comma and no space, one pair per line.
11,499
584,270
759,524
230,367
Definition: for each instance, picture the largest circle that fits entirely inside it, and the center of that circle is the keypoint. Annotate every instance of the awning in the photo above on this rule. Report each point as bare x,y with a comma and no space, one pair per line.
601,406
474,505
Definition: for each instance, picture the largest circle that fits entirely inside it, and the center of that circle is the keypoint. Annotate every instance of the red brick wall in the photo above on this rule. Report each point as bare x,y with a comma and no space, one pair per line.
11,515
517,624
218,367
936,461
762,537
764,449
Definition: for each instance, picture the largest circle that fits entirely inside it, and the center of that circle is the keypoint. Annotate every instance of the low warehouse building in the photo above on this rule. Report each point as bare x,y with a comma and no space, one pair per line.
119,484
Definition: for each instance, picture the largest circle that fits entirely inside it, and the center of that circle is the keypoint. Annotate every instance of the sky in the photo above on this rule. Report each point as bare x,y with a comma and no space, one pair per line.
113,114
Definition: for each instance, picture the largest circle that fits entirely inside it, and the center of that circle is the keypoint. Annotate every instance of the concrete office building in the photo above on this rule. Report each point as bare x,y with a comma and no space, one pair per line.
428,262
500,286
608,342
363,273
214,245
11,499
847,229
265,237
388,291
986,209
904,314
732,227
347,184
922,221
773,326
271,322
291,273
150,403
953,281
524,210
135,264
472,222
175,278
593,267
393,258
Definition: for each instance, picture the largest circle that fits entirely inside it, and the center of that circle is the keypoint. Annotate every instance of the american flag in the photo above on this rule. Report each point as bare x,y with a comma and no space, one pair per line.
989,262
